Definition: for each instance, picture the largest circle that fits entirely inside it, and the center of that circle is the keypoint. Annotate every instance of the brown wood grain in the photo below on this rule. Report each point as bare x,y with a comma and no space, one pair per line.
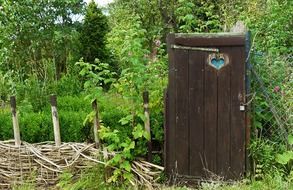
224,115
171,113
210,119
209,40
237,116
205,129
196,107
182,102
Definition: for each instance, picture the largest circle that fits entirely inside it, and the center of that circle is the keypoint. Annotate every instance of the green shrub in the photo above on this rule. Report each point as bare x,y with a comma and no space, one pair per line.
71,127
38,127
6,130
92,178
69,85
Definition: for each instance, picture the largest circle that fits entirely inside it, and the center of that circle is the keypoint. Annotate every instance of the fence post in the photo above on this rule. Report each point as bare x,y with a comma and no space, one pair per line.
15,121
147,122
96,123
165,126
55,118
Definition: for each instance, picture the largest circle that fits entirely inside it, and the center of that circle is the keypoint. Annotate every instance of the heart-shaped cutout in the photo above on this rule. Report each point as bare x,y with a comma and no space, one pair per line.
218,63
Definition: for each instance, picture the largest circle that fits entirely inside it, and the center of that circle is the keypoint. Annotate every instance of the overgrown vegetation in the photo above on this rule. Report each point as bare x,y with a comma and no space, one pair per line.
83,52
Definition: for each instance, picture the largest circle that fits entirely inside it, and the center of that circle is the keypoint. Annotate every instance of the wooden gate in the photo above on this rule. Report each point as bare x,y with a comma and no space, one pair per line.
205,122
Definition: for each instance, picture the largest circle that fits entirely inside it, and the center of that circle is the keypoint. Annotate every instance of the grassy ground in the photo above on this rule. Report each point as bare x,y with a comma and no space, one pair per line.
93,180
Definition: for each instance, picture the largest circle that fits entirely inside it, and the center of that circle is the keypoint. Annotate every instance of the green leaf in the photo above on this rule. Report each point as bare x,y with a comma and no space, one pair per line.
141,116
117,158
125,120
138,132
127,176
146,135
285,157
126,165
132,145
290,139
258,124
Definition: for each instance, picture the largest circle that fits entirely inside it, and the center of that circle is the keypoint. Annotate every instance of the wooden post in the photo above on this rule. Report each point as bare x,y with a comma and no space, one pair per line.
165,125
55,118
96,123
15,121
147,122
248,166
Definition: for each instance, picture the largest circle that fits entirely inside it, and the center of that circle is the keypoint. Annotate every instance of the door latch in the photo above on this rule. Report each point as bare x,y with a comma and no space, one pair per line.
216,50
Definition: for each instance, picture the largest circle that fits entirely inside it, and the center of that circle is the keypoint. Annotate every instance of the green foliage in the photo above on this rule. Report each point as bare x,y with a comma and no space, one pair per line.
92,178
5,84
38,127
93,32
140,71
35,32
197,16
125,150
40,42
270,20
263,153
69,84
272,151
270,182
286,157
273,22
96,76
6,131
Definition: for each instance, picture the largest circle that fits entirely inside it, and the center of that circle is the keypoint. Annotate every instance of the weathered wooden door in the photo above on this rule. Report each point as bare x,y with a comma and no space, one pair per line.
205,114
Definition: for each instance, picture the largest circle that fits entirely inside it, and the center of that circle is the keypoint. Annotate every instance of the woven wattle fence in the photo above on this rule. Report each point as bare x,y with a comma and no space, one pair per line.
41,163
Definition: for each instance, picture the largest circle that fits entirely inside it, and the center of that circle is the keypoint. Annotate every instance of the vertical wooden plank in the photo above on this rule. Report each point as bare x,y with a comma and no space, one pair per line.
223,142
210,117
170,152
182,101
196,107
237,116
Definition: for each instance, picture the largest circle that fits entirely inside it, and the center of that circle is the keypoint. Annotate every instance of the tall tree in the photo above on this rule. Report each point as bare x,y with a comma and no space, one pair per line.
35,33
93,34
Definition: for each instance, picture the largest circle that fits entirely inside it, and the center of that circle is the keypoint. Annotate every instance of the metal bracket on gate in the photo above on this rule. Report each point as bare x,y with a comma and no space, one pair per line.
195,48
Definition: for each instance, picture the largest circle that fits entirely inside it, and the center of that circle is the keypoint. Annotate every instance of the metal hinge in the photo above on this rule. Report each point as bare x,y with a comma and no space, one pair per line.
195,48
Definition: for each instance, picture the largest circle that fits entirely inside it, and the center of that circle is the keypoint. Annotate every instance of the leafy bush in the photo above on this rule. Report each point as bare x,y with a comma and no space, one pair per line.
37,126
6,130
92,178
